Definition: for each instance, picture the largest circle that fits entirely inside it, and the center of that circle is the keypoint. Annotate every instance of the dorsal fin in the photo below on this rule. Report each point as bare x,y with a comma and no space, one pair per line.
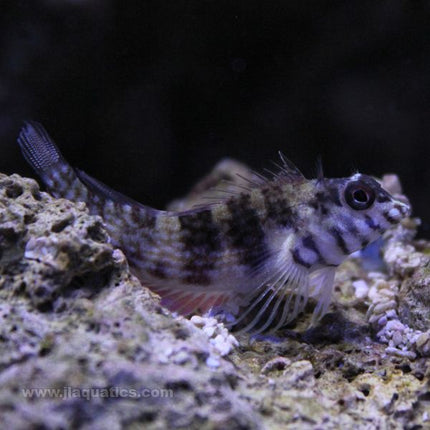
228,178
289,169
286,171
102,190
320,171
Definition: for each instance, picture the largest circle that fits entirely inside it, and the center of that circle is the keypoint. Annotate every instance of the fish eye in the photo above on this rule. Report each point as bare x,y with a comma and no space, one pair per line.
359,195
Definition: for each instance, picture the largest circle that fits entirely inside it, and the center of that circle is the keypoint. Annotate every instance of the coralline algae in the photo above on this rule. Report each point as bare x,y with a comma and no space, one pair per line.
74,317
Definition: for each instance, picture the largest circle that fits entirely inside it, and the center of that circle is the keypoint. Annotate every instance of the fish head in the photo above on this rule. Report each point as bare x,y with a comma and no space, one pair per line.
359,208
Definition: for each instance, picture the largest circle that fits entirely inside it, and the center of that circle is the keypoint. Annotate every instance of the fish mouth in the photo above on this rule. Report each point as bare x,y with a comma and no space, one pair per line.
400,210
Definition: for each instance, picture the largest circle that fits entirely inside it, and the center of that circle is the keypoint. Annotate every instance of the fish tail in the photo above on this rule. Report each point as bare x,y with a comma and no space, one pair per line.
43,155
123,216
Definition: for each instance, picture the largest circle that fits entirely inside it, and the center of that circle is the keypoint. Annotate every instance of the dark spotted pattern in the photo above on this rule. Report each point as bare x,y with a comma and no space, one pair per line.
277,207
323,200
389,218
201,239
340,241
309,242
245,232
348,223
298,258
143,218
324,209
333,195
314,204
353,229
123,234
372,224
66,183
364,243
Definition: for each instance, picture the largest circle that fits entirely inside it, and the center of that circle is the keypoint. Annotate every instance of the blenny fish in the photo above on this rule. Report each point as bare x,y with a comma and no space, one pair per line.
264,248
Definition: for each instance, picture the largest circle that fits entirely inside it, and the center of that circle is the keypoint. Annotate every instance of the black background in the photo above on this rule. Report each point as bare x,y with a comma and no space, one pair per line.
148,95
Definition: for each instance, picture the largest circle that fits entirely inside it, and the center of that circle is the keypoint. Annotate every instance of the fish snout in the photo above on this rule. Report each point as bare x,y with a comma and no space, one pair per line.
400,210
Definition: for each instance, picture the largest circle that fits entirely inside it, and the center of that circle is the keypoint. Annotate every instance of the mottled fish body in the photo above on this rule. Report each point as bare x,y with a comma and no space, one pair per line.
268,246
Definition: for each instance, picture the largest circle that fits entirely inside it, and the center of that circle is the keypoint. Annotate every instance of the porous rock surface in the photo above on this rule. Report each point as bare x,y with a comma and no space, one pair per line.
74,317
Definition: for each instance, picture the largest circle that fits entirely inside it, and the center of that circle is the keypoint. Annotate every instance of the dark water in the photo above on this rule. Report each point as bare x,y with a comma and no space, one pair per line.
148,95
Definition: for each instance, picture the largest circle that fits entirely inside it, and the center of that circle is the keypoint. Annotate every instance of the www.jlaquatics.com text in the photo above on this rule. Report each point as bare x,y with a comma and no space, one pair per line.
93,392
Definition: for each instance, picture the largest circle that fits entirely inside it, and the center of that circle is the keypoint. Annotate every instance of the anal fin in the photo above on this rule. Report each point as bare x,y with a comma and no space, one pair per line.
190,302
321,289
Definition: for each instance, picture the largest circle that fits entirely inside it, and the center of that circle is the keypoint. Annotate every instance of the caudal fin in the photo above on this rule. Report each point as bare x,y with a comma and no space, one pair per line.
62,180
45,158
38,148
